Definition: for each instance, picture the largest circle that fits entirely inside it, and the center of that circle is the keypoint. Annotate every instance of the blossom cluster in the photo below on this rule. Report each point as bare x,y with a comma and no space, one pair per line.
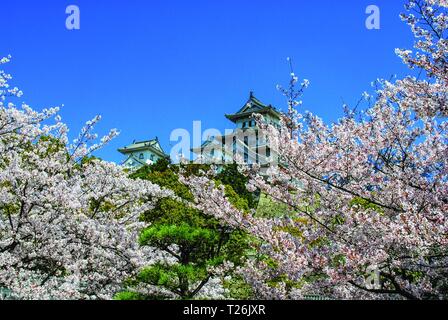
368,190
68,222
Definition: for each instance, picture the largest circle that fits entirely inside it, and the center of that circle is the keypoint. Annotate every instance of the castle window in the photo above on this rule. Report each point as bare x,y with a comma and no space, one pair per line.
244,124
142,156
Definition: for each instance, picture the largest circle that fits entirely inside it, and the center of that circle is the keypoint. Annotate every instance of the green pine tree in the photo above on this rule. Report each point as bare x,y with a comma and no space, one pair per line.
196,241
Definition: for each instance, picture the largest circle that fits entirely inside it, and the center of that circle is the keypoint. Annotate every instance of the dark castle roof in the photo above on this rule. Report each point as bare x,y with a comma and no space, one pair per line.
151,145
253,105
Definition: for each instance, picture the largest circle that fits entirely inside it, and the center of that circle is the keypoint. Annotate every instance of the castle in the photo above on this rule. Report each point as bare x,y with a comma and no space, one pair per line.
246,140
141,153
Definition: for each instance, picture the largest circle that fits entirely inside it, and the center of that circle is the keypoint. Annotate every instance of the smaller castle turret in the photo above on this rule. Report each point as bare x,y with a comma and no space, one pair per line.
141,153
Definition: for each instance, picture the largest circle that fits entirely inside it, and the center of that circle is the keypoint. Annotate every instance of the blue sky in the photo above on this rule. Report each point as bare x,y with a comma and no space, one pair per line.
151,66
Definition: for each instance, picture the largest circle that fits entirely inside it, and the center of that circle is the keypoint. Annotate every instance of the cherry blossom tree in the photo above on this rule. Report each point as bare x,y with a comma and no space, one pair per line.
368,194
68,222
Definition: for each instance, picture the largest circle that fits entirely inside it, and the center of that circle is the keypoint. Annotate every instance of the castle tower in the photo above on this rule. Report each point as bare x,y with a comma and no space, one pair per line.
246,140
140,153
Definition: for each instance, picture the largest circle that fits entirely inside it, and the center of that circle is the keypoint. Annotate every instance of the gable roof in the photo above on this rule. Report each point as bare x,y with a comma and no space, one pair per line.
253,105
150,145
134,159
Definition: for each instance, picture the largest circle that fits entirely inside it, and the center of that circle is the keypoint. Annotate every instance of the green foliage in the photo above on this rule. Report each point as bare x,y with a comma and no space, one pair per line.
160,166
232,177
182,234
294,231
338,260
129,295
195,240
238,288
10,209
88,160
270,208
366,205
53,145
234,198
284,280
172,275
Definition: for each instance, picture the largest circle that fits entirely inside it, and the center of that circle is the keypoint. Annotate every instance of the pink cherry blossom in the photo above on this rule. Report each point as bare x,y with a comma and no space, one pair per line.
369,192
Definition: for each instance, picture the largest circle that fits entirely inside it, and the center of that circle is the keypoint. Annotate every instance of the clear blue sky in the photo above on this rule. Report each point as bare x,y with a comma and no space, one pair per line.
150,66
